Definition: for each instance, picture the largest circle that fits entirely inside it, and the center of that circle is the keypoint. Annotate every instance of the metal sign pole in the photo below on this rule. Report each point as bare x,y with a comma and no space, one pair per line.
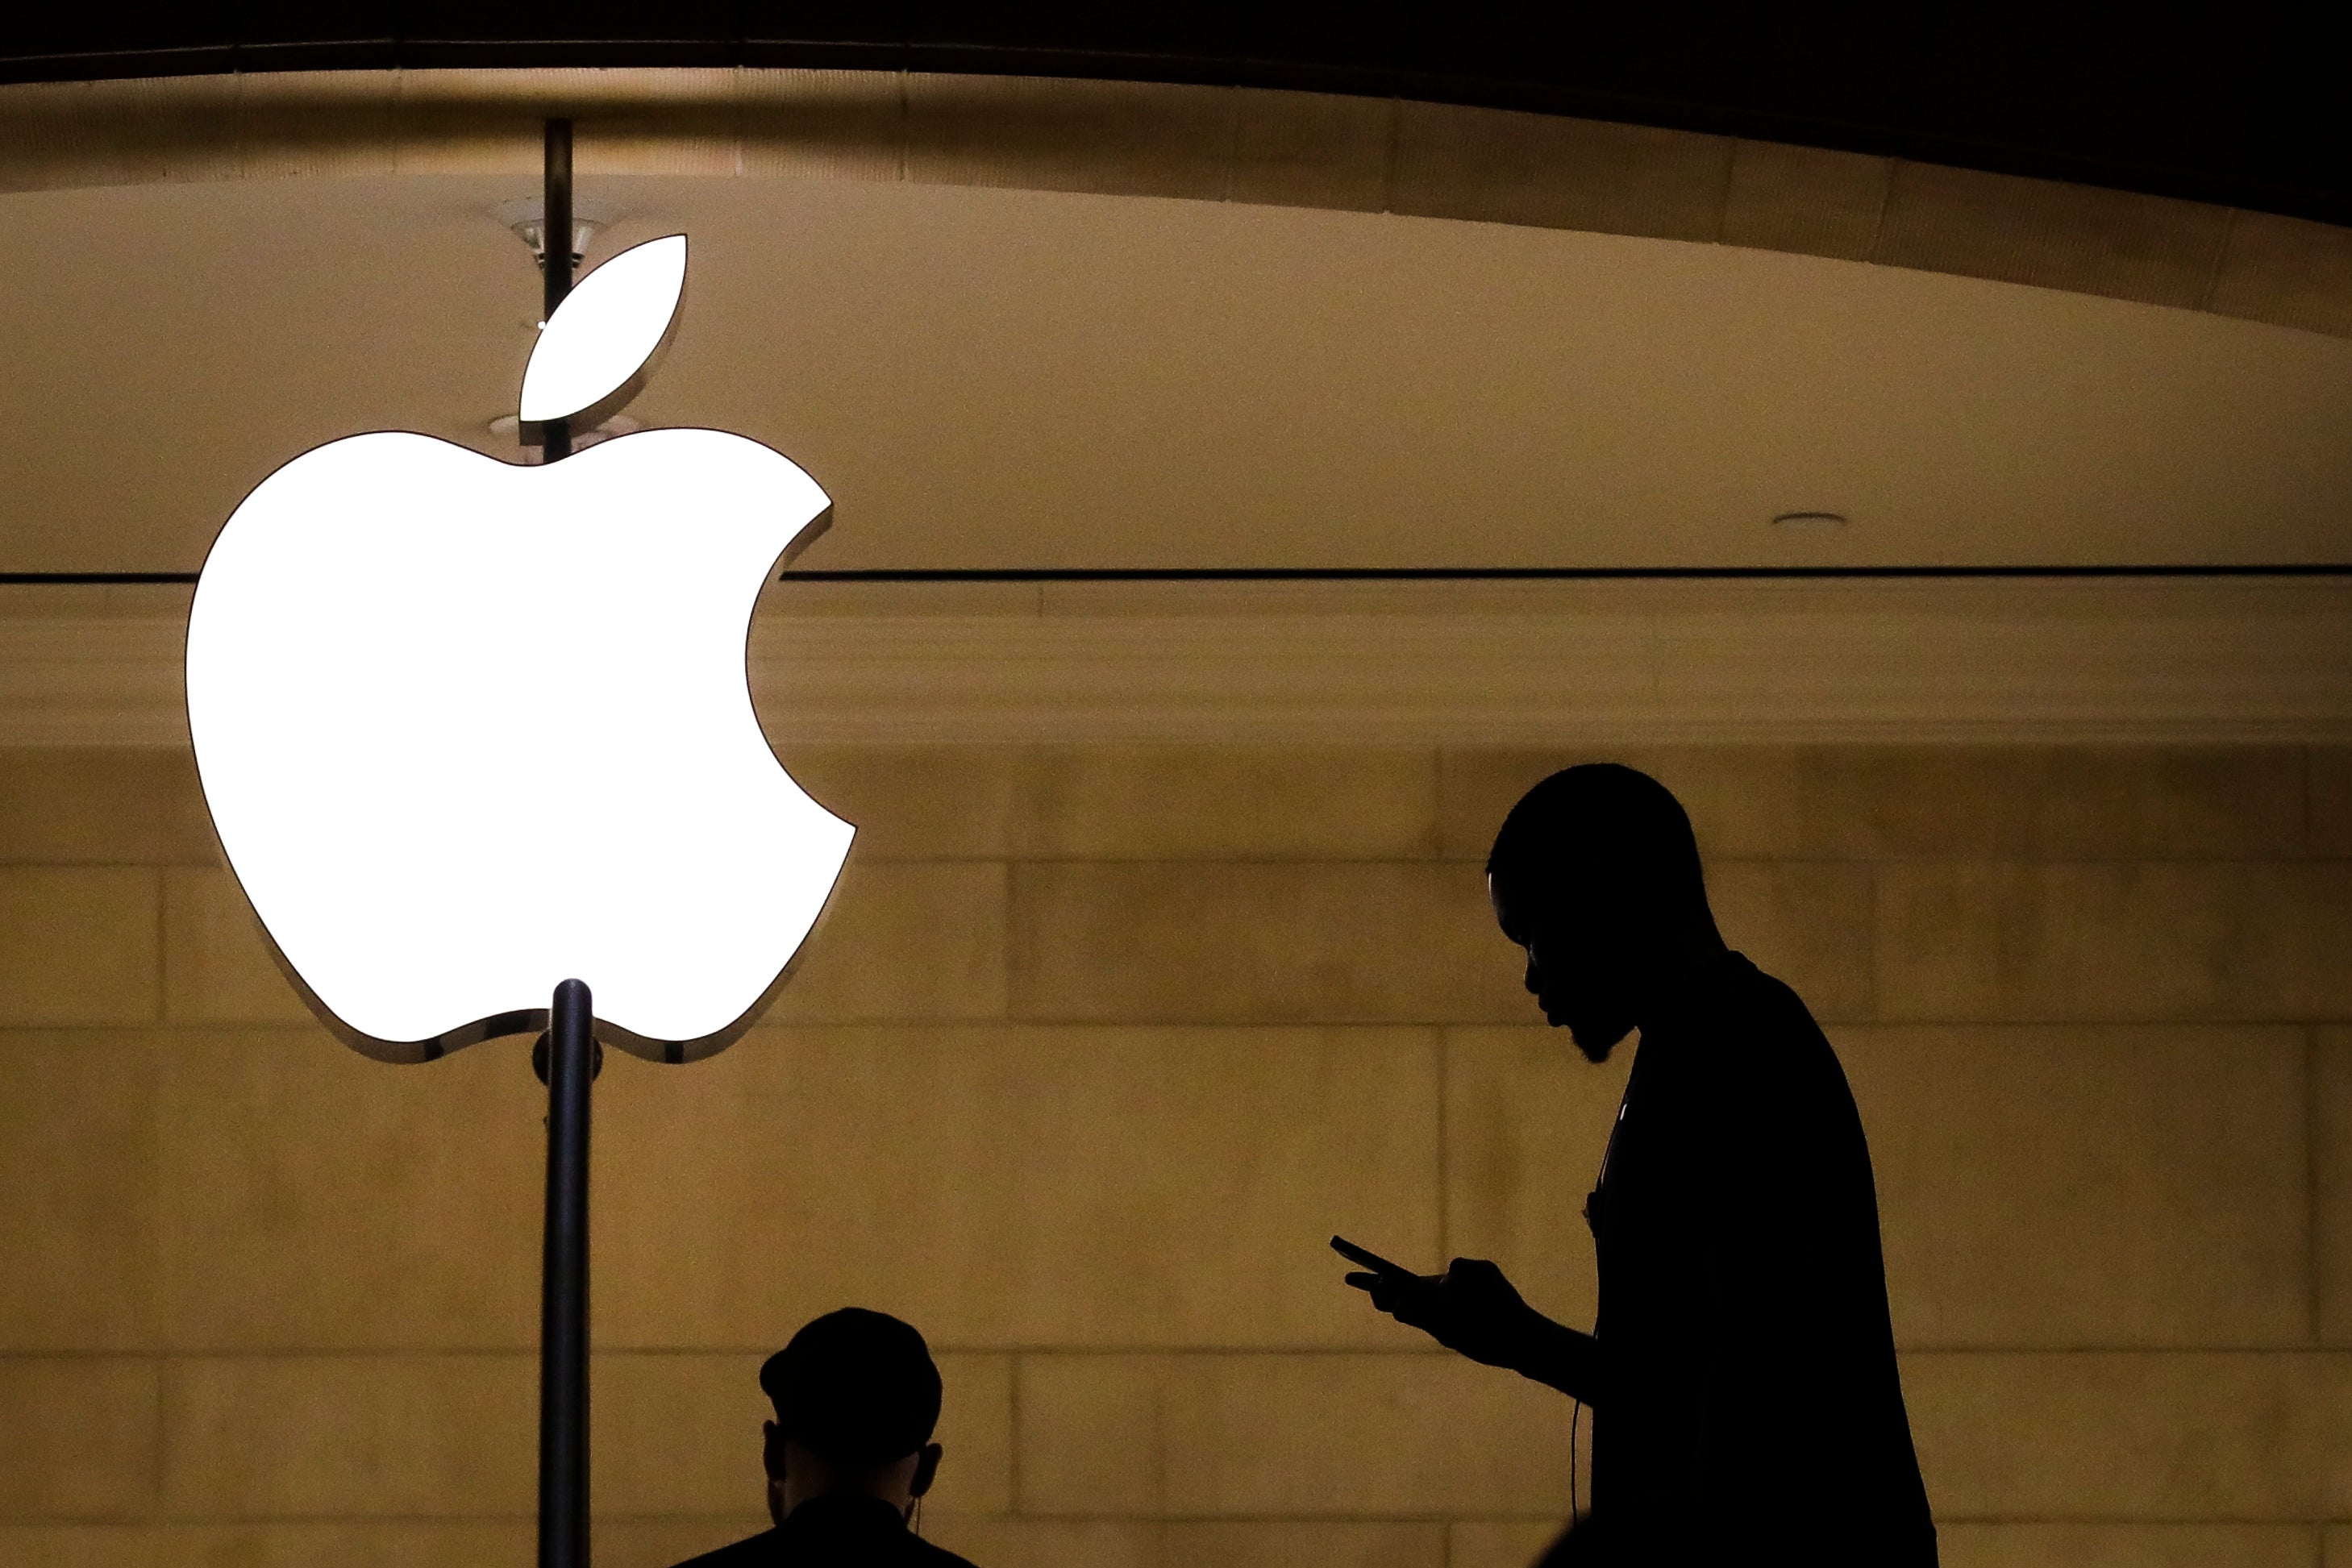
570,1068
563,1299
555,257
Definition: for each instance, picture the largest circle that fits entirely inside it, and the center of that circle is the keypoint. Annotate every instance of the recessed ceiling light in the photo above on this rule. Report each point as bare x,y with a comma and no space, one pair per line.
1809,522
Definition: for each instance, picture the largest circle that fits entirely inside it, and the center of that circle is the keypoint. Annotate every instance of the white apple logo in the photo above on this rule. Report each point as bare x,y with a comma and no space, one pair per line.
468,729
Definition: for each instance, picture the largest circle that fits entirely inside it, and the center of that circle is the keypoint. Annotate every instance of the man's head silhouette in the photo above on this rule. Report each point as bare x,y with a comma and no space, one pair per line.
856,1395
1596,874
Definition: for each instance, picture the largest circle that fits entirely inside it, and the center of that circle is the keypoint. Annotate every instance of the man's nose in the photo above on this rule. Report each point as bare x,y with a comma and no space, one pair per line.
1534,984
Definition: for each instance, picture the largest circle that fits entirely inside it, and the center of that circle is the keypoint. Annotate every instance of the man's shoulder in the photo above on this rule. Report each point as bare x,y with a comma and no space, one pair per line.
747,1554
765,1550
1739,986
1750,1037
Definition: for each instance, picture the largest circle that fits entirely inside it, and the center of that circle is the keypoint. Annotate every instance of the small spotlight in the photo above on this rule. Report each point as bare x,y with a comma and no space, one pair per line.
1809,522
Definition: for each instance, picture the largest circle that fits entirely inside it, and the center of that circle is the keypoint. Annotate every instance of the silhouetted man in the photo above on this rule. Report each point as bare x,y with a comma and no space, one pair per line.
850,1450
1741,1373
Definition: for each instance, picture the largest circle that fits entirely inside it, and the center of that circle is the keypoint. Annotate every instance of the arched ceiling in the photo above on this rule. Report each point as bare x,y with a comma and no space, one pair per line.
2239,105
1008,378
1024,323
1020,321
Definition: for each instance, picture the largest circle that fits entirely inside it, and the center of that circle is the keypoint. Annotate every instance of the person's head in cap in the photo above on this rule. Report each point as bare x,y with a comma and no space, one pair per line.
856,1395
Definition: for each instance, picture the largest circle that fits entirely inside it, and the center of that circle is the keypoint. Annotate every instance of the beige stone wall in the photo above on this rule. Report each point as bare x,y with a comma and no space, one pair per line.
1098,1047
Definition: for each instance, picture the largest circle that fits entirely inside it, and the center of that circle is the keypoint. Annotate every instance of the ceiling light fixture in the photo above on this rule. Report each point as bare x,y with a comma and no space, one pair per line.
527,216
1810,522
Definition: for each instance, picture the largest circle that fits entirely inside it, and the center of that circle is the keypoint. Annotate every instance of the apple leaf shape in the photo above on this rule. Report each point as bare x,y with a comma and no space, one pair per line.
601,346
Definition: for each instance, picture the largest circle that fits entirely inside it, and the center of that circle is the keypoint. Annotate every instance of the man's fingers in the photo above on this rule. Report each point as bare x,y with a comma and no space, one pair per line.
1399,1295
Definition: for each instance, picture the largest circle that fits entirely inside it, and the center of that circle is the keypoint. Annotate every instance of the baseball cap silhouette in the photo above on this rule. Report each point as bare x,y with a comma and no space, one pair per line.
854,1388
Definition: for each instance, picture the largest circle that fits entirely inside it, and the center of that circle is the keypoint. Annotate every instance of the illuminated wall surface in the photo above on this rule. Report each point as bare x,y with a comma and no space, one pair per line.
1098,1047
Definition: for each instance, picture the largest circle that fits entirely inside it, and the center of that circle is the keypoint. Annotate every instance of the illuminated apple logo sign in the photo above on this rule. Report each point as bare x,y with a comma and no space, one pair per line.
468,729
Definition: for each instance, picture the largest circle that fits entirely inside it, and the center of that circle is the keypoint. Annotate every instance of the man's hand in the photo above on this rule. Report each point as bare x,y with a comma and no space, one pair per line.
1470,1308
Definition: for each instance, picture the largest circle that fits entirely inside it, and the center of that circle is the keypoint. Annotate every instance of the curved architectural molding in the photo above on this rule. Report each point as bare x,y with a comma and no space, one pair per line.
1625,662
1198,143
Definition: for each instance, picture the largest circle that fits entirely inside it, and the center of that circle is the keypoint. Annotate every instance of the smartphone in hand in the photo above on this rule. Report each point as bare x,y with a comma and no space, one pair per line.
1364,1257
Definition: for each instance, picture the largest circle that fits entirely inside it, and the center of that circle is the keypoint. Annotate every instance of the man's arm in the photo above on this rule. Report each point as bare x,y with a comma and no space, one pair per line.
1474,1309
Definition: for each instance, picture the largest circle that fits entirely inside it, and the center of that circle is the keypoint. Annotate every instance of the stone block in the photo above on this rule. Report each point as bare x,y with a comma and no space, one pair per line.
2058,1186
1806,924
1477,786
81,945
2330,829
1189,1544
2147,942
1301,1437
2132,1435
312,1198
1970,1544
393,1544
78,1437
1553,171
913,940
1500,1543
2042,802
1527,1120
680,1434
78,1174
1227,802
1266,942
916,802
186,832
1865,802
83,1546
90,806
1015,1186
1805,199
217,964
1312,149
1108,138
2116,242
301,1436
2331,1172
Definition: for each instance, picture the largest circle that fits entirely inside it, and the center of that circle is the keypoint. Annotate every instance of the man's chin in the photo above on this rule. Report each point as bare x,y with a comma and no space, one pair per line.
1594,1040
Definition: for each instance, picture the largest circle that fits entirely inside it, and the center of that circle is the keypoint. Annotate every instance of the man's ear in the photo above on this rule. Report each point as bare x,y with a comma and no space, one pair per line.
772,1451
927,1470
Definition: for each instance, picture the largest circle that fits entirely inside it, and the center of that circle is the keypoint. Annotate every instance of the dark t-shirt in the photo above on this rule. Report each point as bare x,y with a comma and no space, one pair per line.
833,1532
1750,1403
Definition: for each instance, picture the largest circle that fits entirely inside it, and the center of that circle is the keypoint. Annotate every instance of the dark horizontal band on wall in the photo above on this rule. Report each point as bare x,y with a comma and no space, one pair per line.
2244,111
91,578
1541,574
1387,573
